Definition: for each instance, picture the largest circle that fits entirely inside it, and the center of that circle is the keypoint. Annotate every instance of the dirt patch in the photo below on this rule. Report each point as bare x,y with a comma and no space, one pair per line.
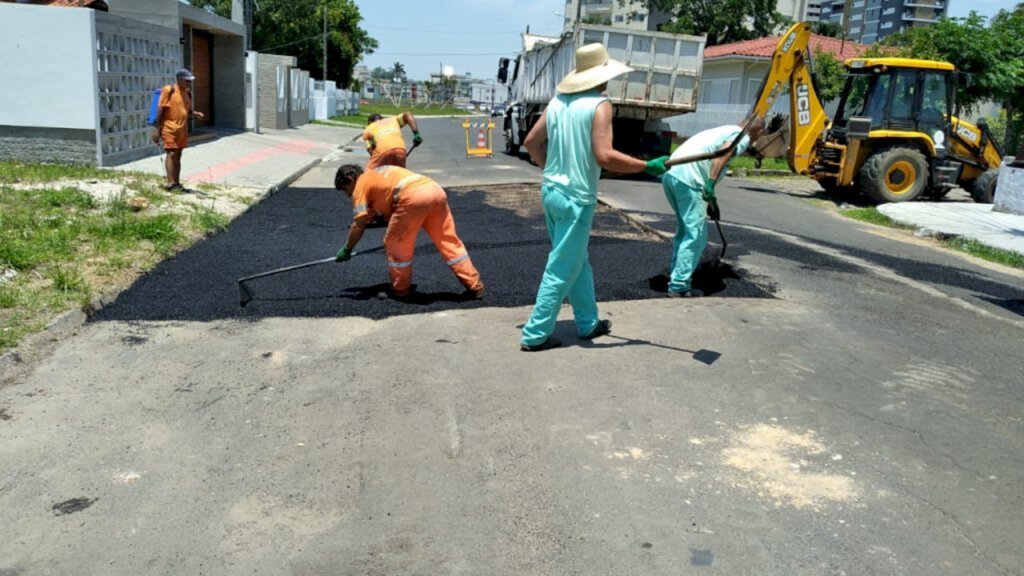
788,467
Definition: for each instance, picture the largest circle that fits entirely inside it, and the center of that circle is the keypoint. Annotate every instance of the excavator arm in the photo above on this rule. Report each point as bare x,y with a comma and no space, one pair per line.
791,67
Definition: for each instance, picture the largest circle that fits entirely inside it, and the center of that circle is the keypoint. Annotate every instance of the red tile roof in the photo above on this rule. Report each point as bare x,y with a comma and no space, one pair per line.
764,47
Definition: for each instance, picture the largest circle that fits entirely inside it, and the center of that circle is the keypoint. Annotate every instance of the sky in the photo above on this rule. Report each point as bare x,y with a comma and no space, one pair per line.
470,35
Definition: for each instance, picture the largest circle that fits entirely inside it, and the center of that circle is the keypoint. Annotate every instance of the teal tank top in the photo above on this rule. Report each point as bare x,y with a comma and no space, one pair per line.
571,167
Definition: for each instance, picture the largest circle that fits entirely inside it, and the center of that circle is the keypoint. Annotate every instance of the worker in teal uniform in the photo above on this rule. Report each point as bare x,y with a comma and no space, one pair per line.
690,189
572,142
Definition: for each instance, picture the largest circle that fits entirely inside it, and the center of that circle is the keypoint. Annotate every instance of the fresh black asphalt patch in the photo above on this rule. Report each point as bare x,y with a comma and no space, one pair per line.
502,226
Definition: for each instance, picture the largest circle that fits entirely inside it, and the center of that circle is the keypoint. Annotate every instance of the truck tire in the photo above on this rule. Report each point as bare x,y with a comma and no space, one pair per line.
894,175
511,148
984,189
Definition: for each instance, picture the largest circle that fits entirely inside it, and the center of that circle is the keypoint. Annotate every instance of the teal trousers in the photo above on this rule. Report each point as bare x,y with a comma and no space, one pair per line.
691,231
567,273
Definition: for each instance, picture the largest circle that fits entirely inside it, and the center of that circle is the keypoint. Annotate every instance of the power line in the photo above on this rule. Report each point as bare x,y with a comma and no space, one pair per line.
306,39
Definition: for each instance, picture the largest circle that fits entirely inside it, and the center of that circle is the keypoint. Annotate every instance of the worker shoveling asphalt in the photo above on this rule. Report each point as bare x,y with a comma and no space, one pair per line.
690,191
408,202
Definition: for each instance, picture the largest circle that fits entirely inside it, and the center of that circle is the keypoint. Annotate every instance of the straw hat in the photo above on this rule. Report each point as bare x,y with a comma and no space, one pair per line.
593,68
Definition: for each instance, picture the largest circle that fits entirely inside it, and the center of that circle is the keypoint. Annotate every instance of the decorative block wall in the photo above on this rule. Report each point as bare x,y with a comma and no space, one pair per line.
133,59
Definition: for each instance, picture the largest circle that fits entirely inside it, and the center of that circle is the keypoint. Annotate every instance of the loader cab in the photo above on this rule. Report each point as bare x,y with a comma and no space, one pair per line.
903,97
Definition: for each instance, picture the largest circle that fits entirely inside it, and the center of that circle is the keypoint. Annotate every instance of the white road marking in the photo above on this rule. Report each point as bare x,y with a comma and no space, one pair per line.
883,273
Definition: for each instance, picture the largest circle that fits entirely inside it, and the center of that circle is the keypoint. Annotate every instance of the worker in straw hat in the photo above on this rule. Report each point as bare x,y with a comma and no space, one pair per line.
572,142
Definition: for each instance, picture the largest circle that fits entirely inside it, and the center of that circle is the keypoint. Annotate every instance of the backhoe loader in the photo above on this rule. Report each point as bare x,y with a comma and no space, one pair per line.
894,136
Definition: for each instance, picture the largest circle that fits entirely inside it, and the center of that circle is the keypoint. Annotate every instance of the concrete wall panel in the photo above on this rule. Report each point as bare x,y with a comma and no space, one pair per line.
47,83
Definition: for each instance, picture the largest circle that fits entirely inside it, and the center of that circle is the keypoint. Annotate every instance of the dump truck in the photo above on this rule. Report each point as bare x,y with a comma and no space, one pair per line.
664,82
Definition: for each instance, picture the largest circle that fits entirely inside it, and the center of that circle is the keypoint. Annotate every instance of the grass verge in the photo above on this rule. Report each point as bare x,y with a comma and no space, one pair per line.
975,248
388,110
966,245
871,215
62,245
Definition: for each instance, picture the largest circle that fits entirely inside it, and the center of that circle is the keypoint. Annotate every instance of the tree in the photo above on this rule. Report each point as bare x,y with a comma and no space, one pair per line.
829,74
826,28
398,72
722,21
295,28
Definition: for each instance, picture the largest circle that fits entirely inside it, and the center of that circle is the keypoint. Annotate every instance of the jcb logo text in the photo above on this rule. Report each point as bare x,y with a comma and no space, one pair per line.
803,105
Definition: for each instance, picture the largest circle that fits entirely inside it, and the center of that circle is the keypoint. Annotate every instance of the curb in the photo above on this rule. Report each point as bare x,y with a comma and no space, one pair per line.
68,322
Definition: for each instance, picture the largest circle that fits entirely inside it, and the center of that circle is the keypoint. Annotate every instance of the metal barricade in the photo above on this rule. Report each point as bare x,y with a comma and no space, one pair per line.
480,133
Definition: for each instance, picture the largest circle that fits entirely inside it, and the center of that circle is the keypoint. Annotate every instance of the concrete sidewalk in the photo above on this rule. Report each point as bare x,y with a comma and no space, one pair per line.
268,161
973,221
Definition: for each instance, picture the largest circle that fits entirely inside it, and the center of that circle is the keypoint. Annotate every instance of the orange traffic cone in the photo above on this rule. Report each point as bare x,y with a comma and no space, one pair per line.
481,139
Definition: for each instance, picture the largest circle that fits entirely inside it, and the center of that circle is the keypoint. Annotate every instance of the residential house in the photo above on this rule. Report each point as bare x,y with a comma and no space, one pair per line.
732,77
79,81
733,72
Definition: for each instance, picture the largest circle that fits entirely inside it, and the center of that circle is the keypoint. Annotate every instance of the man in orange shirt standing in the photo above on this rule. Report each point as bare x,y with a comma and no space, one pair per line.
171,129
384,139
408,201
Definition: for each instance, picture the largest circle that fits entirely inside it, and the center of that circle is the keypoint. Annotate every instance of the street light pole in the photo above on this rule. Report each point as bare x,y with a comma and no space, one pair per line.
325,42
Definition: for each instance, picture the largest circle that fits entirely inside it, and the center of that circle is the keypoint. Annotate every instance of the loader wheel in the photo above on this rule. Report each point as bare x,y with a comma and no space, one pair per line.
984,189
894,175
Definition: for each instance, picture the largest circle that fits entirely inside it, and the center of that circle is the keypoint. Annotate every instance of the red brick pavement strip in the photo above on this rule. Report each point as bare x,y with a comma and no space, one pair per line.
218,172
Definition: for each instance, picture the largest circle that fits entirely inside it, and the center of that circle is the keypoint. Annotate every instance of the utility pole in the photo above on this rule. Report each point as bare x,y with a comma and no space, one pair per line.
325,42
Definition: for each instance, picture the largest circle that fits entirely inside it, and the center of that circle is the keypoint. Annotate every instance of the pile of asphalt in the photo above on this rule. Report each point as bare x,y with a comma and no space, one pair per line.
503,228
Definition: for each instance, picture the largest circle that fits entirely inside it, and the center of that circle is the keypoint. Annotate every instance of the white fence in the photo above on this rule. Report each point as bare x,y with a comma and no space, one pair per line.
326,101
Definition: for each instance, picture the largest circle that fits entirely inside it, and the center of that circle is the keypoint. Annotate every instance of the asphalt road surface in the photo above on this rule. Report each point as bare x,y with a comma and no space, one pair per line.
860,414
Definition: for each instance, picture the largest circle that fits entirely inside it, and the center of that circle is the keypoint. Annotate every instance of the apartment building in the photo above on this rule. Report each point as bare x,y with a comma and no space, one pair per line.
799,10
872,20
632,14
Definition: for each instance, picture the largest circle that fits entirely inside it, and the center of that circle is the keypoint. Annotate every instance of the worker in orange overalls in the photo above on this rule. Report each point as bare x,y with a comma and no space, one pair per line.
408,201
384,141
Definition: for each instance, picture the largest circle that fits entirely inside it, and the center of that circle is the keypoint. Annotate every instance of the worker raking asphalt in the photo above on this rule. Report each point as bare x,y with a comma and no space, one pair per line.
501,226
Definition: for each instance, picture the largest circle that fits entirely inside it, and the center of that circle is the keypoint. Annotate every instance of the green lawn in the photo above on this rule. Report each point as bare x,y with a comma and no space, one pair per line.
749,163
60,246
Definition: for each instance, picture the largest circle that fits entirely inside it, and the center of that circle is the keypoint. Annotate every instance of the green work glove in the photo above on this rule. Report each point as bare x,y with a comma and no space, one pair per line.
343,255
656,167
709,190
416,138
